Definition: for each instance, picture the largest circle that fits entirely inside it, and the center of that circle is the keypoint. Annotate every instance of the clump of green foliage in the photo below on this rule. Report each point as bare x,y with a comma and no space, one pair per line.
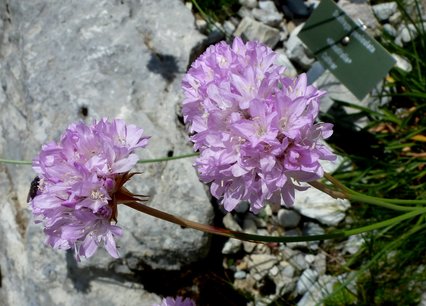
216,10
384,158
387,158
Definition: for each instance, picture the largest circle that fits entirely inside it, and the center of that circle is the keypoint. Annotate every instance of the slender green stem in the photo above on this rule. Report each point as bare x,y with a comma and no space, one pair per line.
331,192
15,162
260,238
383,202
158,160
225,232
346,193
385,223
143,161
209,20
394,201
379,202
336,182
391,245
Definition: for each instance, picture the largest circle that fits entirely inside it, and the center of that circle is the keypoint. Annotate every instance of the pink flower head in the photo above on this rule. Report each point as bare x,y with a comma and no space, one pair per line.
81,182
254,127
179,301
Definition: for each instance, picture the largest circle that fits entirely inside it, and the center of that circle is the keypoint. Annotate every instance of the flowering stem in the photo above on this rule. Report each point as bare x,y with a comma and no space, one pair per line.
143,161
342,187
346,193
331,192
359,197
387,200
379,202
157,160
16,162
260,238
385,223
222,231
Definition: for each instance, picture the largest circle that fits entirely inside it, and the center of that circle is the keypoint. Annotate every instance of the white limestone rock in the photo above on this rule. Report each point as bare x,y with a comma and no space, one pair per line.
320,206
251,29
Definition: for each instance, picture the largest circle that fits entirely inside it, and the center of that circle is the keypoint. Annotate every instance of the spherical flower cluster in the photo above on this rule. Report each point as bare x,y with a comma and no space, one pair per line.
179,301
81,182
254,127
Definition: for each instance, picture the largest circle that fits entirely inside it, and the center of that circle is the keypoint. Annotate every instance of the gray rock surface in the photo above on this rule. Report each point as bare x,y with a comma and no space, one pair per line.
283,60
251,29
288,218
353,244
358,10
407,33
117,59
318,291
296,50
402,63
268,13
337,91
320,263
310,229
248,3
232,246
423,299
249,227
306,281
384,10
389,29
320,206
240,275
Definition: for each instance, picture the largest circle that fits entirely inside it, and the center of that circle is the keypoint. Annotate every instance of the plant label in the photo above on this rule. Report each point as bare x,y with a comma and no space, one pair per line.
343,47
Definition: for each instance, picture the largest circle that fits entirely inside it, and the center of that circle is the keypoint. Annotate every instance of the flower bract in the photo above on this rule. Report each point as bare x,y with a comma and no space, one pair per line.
254,127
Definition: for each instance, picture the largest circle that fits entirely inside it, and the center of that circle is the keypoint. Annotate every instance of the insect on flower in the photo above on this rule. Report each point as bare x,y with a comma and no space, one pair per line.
33,189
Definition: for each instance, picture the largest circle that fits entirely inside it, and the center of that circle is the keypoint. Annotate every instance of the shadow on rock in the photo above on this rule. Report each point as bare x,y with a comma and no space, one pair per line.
163,64
82,276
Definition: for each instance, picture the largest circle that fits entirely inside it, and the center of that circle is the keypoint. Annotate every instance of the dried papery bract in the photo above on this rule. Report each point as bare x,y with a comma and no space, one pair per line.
81,181
254,127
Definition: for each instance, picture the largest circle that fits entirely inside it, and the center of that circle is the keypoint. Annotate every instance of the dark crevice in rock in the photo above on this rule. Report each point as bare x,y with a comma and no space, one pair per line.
8,13
205,281
267,287
21,217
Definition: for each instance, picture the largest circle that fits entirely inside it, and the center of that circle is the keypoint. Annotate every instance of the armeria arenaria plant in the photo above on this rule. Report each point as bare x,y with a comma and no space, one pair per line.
81,181
254,127
257,137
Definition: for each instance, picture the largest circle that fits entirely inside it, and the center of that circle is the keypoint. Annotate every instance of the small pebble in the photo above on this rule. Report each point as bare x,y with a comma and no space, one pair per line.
240,275
288,218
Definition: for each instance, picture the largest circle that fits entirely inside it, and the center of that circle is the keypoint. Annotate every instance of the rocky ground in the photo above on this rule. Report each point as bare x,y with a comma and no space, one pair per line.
63,62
